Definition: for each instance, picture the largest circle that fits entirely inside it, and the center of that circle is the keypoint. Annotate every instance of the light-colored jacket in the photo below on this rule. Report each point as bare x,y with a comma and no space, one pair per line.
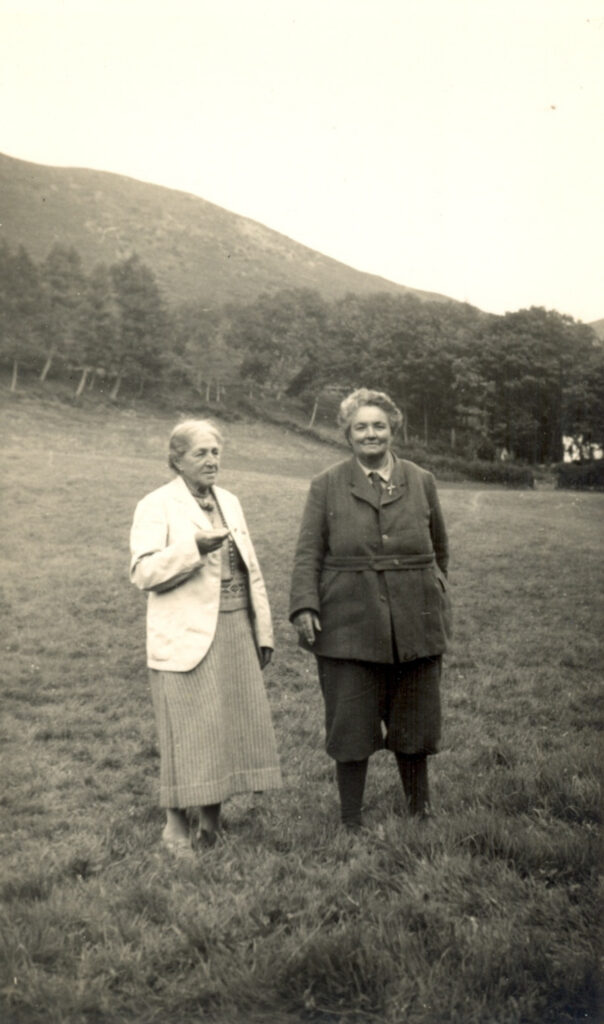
183,585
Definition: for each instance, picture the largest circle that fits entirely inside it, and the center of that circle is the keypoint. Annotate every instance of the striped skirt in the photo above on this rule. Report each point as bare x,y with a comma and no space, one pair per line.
214,723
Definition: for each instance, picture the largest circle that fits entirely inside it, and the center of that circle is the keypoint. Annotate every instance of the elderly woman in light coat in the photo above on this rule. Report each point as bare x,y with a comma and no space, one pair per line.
209,635
369,599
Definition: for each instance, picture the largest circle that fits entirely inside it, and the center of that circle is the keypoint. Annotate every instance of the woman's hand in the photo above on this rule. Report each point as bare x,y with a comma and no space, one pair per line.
210,540
308,625
266,654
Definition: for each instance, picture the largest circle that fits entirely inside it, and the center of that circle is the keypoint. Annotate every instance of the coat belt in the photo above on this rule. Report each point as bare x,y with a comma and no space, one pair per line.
378,563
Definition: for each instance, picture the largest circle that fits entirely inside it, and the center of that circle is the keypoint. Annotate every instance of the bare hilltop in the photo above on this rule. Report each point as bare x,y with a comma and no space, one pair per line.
198,252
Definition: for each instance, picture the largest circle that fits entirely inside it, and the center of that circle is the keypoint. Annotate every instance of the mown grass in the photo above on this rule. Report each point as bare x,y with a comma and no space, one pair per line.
489,913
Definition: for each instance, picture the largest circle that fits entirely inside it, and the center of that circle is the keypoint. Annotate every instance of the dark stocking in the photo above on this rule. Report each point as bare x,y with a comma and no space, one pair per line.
209,821
413,770
351,785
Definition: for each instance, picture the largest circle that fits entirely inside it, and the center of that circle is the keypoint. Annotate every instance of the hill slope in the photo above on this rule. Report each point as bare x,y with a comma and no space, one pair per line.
198,251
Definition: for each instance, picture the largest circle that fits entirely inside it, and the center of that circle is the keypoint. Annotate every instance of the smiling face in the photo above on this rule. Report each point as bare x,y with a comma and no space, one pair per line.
200,463
370,435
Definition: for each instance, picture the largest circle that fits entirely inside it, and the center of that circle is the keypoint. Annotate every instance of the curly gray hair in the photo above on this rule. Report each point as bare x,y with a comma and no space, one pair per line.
366,396
181,438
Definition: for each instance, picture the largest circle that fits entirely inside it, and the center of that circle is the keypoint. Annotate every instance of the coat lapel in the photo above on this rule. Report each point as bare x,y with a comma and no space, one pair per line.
183,496
398,483
230,508
224,499
360,485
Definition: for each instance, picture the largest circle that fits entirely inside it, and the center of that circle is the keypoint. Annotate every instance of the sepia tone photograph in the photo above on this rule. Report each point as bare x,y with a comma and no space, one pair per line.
302,408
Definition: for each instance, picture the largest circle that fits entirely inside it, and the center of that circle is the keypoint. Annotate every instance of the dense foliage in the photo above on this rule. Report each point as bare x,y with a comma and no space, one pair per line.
582,476
482,385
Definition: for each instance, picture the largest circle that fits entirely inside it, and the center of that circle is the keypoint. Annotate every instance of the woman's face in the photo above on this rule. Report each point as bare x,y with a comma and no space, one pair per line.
370,435
200,464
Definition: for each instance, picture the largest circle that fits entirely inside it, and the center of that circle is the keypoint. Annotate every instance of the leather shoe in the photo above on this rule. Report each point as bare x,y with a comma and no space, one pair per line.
178,846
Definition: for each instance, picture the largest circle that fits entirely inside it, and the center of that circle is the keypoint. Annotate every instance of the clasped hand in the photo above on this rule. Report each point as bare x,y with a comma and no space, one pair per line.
210,540
308,625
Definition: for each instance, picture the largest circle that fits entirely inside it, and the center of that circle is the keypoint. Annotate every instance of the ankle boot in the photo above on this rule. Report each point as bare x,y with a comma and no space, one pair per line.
351,785
209,823
413,770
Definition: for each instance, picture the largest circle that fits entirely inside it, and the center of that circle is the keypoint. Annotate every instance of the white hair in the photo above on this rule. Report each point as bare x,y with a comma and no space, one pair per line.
181,438
365,396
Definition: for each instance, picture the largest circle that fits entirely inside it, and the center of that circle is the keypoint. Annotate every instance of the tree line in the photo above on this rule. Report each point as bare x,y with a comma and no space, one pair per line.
516,382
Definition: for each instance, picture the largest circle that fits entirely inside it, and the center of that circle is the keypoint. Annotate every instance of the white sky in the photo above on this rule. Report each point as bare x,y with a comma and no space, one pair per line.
450,145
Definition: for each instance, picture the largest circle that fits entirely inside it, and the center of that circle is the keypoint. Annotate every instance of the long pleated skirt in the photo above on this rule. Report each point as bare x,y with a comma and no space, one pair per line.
214,724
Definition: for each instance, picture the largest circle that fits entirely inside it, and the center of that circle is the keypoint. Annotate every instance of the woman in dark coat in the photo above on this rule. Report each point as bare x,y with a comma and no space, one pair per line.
369,599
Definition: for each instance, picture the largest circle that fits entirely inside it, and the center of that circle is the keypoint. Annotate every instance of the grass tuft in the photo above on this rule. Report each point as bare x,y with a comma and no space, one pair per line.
486,914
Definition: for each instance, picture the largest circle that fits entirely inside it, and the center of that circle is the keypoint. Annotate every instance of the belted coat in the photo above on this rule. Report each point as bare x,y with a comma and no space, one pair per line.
374,567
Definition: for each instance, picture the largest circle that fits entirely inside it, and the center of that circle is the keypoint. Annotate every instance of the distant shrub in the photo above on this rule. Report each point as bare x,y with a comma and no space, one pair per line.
455,468
485,450
507,473
580,476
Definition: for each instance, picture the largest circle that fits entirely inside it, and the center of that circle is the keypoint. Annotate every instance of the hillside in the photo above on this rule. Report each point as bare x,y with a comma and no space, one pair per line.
198,251
598,327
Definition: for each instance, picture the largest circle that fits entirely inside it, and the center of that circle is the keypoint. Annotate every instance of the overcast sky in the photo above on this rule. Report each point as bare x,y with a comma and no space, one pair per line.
450,145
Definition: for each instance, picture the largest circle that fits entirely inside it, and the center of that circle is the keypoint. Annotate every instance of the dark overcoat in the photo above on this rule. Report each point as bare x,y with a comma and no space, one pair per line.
373,569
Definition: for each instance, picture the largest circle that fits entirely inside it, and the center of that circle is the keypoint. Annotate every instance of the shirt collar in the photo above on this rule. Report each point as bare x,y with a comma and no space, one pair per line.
385,471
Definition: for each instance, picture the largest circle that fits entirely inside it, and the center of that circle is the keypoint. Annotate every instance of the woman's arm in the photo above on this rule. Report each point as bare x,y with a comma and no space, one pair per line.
438,530
310,551
156,565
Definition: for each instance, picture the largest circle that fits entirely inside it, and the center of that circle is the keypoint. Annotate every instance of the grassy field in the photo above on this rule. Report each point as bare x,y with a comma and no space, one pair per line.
486,915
